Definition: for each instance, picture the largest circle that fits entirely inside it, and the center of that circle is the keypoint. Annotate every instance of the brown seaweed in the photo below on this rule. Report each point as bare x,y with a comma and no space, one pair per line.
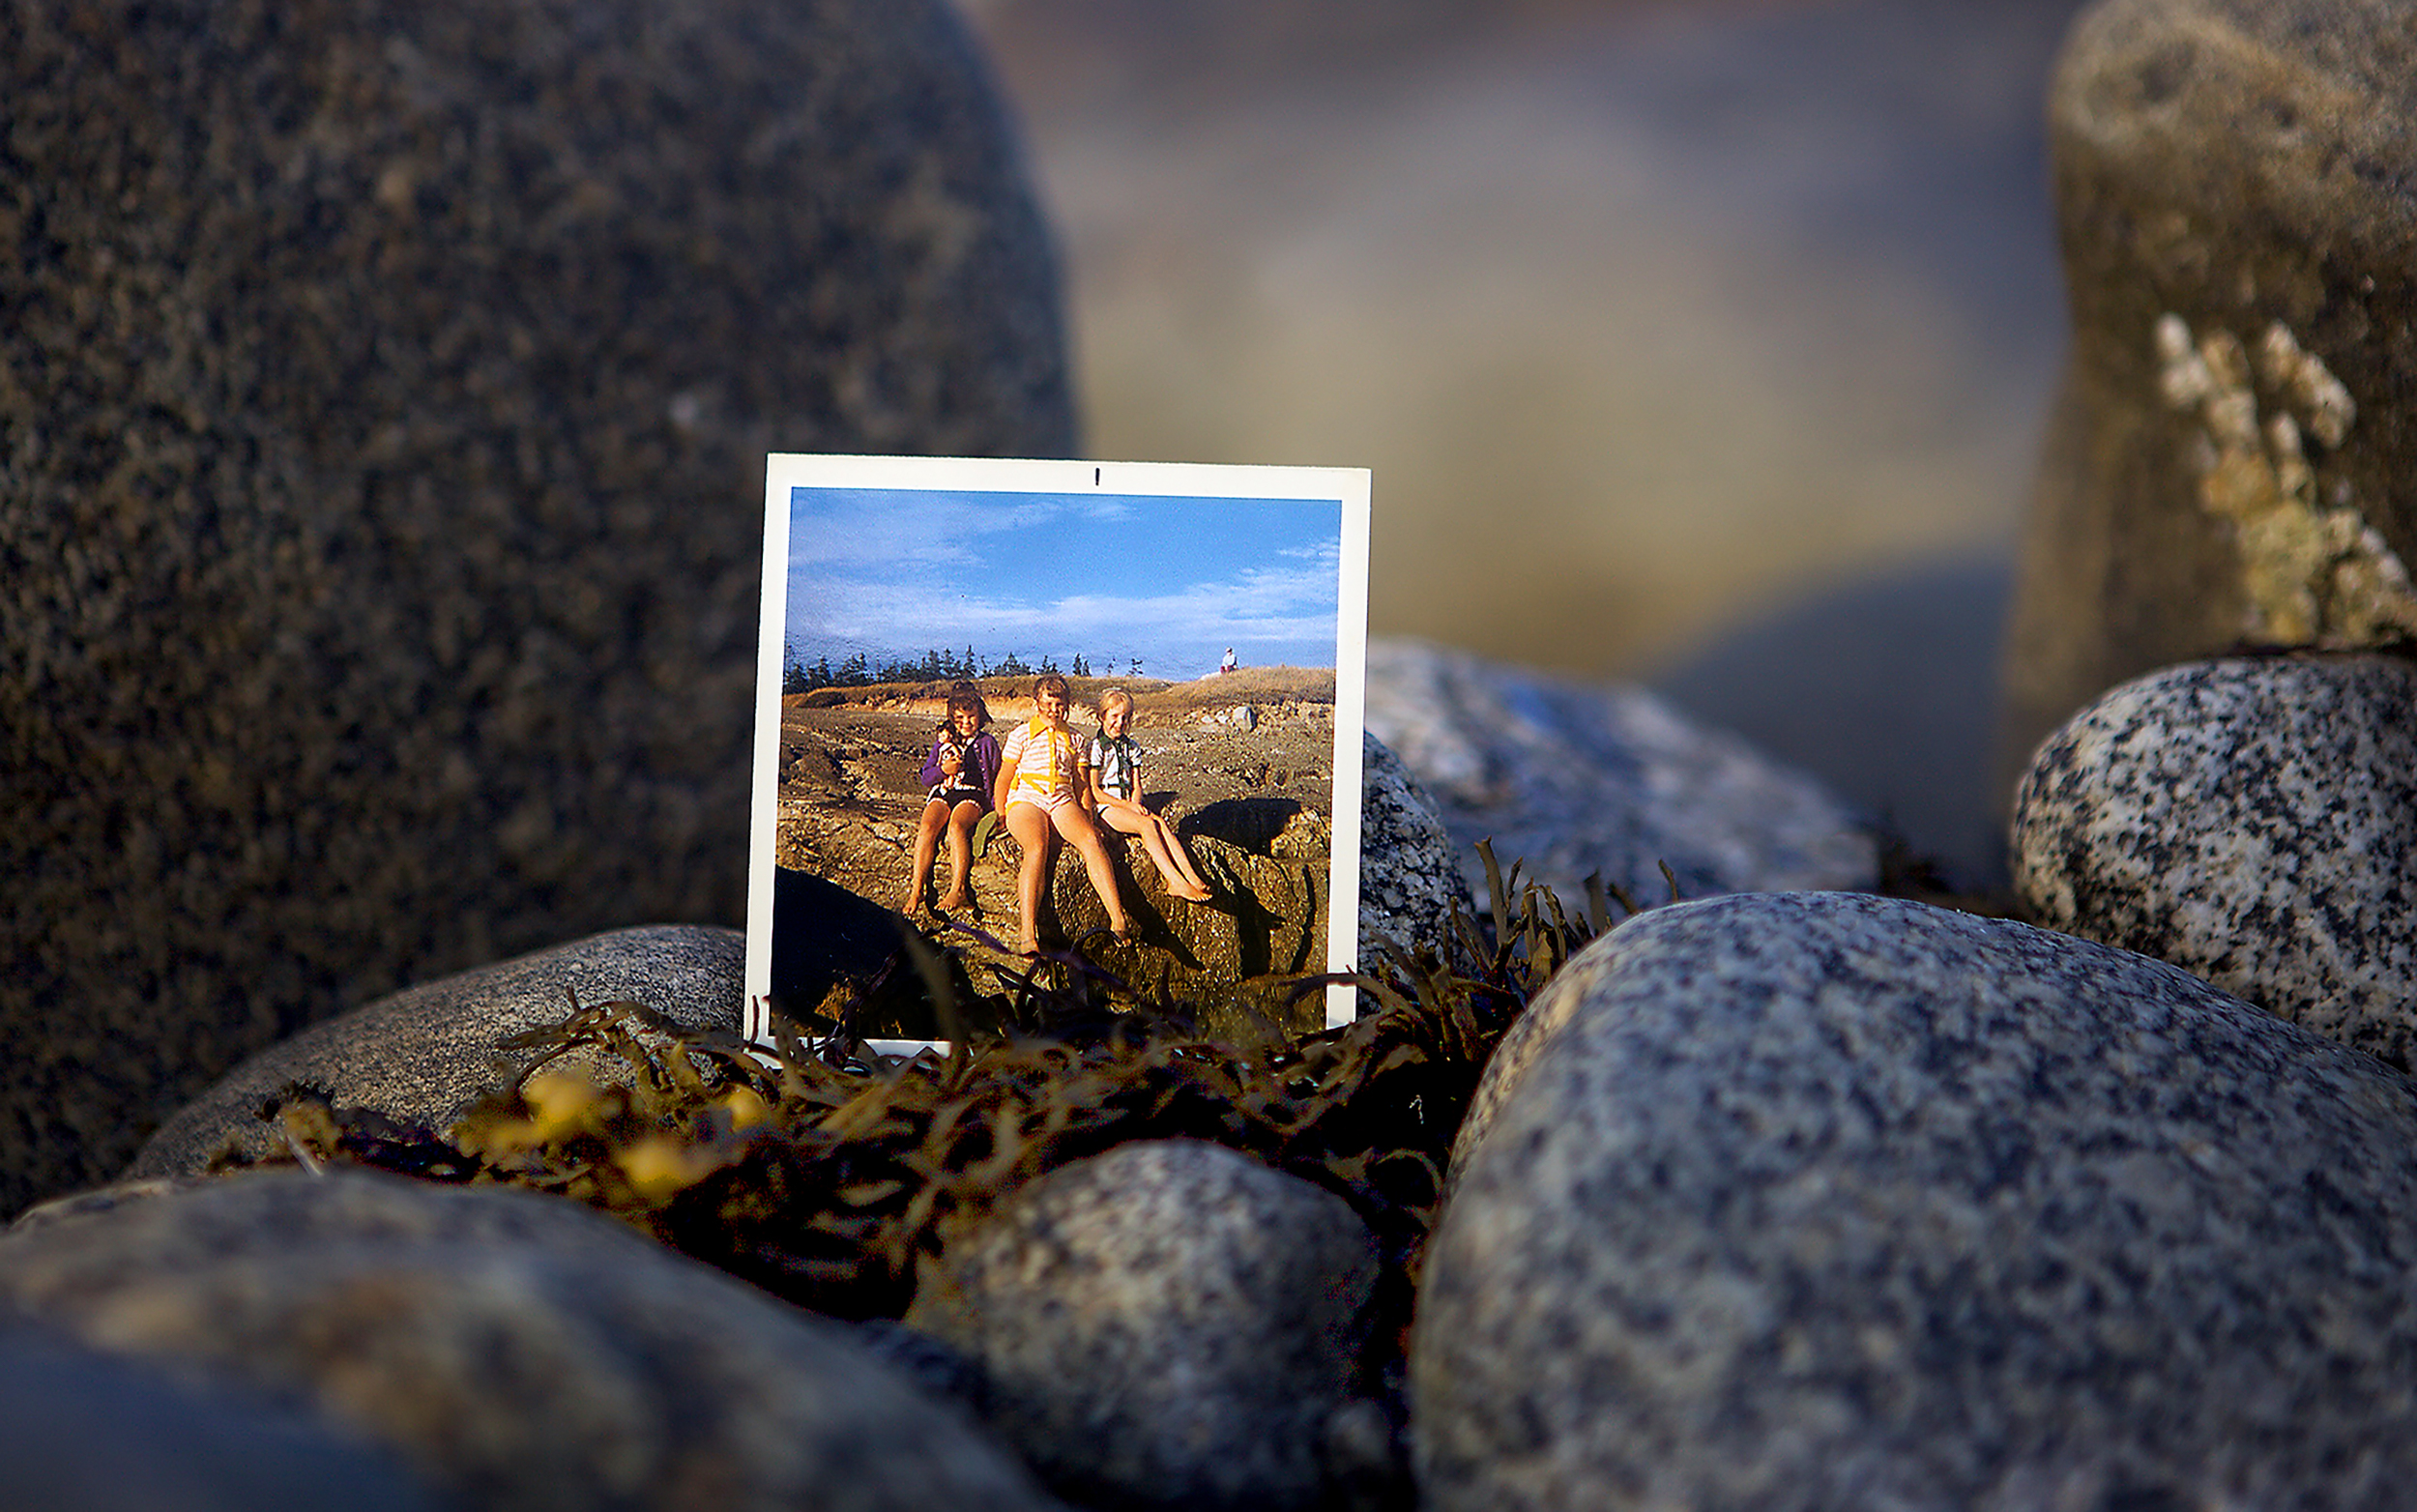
826,1175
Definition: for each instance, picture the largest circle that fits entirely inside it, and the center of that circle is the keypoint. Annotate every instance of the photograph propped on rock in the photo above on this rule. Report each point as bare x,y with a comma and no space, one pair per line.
1022,718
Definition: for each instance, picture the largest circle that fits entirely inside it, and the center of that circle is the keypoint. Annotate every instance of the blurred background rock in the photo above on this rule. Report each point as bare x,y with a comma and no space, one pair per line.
1708,343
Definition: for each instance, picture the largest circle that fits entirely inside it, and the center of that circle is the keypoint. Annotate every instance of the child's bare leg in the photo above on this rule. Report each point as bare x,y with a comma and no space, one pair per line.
1184,878
926,847
1080,832
960,852
1154,837
1030,825
1154,841
1182,858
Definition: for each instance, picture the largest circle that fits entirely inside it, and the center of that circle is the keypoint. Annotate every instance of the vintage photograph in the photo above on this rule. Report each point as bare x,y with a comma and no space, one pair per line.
1052,716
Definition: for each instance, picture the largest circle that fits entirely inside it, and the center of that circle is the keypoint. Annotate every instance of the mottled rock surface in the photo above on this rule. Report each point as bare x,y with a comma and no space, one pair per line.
2227,456
1572,779
1266,925
83,1432
2251,821
384,394
1168,1325
1825,1200
1409,869
517,1350
1886,689
424,1054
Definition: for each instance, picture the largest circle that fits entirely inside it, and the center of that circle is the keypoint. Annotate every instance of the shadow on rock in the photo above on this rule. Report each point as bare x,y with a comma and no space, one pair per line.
832,947
1251,823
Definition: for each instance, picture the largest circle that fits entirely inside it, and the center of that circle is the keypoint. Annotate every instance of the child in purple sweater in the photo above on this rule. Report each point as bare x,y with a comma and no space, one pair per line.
963,763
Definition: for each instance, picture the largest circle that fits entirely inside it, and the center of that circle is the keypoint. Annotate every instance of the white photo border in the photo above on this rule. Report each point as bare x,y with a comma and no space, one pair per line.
785,471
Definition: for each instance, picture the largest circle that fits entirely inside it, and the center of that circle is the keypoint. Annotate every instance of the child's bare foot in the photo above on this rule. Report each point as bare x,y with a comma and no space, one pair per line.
1192,895
1122,929
954,900
909,900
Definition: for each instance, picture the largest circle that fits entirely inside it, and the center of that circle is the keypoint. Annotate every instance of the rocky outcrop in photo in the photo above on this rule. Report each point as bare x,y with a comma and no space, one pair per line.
1252,801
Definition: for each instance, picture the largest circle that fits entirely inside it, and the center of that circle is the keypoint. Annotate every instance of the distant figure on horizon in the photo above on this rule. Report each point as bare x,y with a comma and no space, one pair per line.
1115,765
1041,787
1228,664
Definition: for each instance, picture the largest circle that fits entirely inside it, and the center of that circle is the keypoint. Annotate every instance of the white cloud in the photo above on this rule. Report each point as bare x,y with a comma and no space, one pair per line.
841,530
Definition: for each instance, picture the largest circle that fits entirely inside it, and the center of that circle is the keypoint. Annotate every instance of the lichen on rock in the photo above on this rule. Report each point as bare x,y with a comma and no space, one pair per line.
2314,572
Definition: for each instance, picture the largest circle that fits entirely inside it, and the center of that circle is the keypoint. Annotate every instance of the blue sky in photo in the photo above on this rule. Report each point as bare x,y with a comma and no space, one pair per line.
894,572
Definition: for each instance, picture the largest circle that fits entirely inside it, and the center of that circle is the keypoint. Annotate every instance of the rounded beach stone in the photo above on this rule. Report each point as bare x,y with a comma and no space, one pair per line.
424,1054
2226,459
517,1350
1572,779
1409,876
384,395
1826,1201
84,1432
1168,1325
2253,820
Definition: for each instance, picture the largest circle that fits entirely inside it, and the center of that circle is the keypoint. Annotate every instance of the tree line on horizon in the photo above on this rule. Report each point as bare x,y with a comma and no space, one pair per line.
799,676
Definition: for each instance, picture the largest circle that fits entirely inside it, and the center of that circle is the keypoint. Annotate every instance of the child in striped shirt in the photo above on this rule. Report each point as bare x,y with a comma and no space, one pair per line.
1039,790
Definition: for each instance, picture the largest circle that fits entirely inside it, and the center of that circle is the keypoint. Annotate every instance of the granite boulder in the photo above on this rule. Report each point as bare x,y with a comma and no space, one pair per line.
1824,1200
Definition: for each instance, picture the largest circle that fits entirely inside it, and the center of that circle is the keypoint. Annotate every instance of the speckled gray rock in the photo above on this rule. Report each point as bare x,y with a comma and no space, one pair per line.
517,1350
424,1054
384,395
1573,779
2229,454
1409,874
1829,1201
1168,1325
83,1432
2253,821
